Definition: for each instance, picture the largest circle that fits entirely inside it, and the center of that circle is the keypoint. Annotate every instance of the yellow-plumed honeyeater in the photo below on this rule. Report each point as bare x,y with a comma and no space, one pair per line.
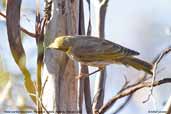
93,51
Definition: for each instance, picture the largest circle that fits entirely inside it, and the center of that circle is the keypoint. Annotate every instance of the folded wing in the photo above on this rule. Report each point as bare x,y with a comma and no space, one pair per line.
95,49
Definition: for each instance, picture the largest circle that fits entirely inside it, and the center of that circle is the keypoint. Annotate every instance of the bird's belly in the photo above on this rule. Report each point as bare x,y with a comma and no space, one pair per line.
97,63
92,61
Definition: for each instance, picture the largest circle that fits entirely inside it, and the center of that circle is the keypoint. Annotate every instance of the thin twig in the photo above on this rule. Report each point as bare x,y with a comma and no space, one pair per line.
164,53
125,84
32,94
44,85
21,28
167,107
128,98
140,80
33,35
131,90
83,75
44,107
123,105
3,15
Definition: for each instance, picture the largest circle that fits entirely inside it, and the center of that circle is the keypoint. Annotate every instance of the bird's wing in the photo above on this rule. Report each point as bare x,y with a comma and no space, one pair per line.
99,49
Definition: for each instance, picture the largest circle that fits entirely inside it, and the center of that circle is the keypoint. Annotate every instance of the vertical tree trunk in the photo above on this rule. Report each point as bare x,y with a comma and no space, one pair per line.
60,92
101,80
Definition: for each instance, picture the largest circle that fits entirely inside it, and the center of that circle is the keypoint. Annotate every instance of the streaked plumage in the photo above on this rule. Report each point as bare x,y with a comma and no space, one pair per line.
93,51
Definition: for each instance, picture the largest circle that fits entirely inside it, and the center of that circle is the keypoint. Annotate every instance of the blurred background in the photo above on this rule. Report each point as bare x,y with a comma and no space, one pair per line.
142,25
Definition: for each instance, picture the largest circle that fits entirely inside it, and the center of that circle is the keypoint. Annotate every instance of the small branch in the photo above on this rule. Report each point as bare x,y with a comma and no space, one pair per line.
21,28
44,86
131,90
39,100
40,50
33,35
3,15
167,107
155,61
130,96
164,53
123,105
125,84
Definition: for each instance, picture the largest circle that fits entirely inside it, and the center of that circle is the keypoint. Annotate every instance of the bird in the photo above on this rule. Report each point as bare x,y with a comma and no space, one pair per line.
98,52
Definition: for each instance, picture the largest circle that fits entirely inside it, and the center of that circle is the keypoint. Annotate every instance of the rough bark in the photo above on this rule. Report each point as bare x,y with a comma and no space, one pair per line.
60,92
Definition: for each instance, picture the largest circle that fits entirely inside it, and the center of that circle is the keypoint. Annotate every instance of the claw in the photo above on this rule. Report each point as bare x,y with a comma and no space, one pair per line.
82,75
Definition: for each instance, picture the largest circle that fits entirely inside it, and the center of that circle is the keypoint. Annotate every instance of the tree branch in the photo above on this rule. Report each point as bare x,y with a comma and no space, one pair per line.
131,90
123,105
156,60
21,28
141,79
164,53
167,107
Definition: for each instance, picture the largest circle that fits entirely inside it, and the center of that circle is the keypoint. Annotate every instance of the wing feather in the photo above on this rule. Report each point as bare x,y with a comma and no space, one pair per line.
95,49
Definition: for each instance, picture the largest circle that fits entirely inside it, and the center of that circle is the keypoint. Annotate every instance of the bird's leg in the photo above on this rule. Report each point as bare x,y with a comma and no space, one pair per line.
100,69
82,75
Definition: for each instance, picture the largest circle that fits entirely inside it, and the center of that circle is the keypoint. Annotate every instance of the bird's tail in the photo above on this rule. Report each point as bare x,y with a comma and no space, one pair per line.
138,64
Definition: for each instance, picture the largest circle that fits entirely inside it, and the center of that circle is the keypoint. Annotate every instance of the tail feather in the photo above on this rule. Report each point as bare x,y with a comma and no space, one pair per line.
138,64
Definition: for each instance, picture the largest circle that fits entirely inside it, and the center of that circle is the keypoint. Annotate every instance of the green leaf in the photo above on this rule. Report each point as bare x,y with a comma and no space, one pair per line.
14,38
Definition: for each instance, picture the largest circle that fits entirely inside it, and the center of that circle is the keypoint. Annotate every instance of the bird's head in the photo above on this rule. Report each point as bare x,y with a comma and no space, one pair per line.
61,43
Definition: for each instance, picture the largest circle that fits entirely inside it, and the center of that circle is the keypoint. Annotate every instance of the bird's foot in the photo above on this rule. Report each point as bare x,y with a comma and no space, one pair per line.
81,75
